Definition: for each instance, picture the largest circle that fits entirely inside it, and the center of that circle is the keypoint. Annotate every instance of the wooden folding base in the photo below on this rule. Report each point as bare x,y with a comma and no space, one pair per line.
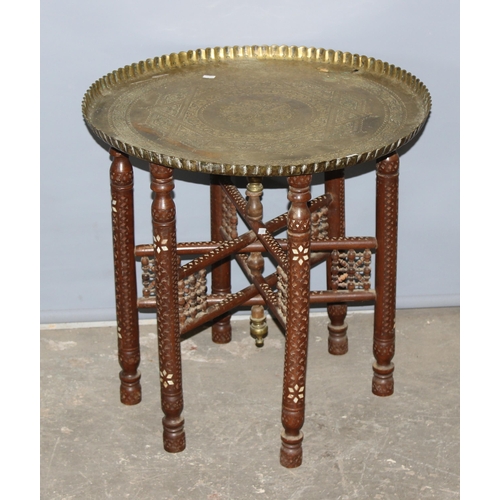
315,233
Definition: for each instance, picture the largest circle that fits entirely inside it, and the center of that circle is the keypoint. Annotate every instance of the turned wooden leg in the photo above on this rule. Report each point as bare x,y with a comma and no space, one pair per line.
221,271
385,274
255,262
335,186
297,321
122,185
167,305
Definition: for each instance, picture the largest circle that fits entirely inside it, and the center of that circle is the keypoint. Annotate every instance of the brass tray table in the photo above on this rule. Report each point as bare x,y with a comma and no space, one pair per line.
255,112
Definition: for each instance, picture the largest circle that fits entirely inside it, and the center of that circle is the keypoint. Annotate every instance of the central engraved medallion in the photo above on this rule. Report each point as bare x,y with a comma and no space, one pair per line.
254,114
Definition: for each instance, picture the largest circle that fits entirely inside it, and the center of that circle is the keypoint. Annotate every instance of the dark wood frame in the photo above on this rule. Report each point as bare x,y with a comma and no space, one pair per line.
306,245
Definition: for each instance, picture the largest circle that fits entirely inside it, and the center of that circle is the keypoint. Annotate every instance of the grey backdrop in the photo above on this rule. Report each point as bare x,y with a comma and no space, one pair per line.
82,41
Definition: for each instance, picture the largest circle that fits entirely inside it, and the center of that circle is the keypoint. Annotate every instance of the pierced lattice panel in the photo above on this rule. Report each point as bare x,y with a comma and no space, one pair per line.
193,296
351,270
319,224
192,290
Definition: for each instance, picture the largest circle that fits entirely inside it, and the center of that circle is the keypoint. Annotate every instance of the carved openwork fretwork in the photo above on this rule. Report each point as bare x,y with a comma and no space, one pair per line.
351,270
148,277
319,224
192,290
192,296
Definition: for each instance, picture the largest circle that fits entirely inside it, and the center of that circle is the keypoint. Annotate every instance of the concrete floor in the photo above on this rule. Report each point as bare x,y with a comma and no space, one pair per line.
356,445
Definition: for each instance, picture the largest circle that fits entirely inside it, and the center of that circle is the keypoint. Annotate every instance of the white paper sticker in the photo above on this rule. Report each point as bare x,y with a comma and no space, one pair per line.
262,230
208,76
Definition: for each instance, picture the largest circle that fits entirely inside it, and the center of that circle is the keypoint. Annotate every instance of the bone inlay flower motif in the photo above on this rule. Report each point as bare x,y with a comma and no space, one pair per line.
301,254
166,378
161,246
296,393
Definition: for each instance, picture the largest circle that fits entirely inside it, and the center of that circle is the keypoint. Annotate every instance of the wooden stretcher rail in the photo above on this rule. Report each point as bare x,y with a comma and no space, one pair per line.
315,297
357,243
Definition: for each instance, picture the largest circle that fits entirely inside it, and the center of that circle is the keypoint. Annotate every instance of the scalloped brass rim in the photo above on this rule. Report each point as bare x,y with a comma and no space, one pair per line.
161,65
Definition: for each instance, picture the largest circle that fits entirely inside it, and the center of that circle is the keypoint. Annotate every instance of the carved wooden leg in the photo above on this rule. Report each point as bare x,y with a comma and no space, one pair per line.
385,274
122,185
221,271
255,262
167,305
335,186
297,321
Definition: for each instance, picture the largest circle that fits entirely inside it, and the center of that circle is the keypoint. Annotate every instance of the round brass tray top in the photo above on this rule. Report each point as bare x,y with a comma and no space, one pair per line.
257,111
